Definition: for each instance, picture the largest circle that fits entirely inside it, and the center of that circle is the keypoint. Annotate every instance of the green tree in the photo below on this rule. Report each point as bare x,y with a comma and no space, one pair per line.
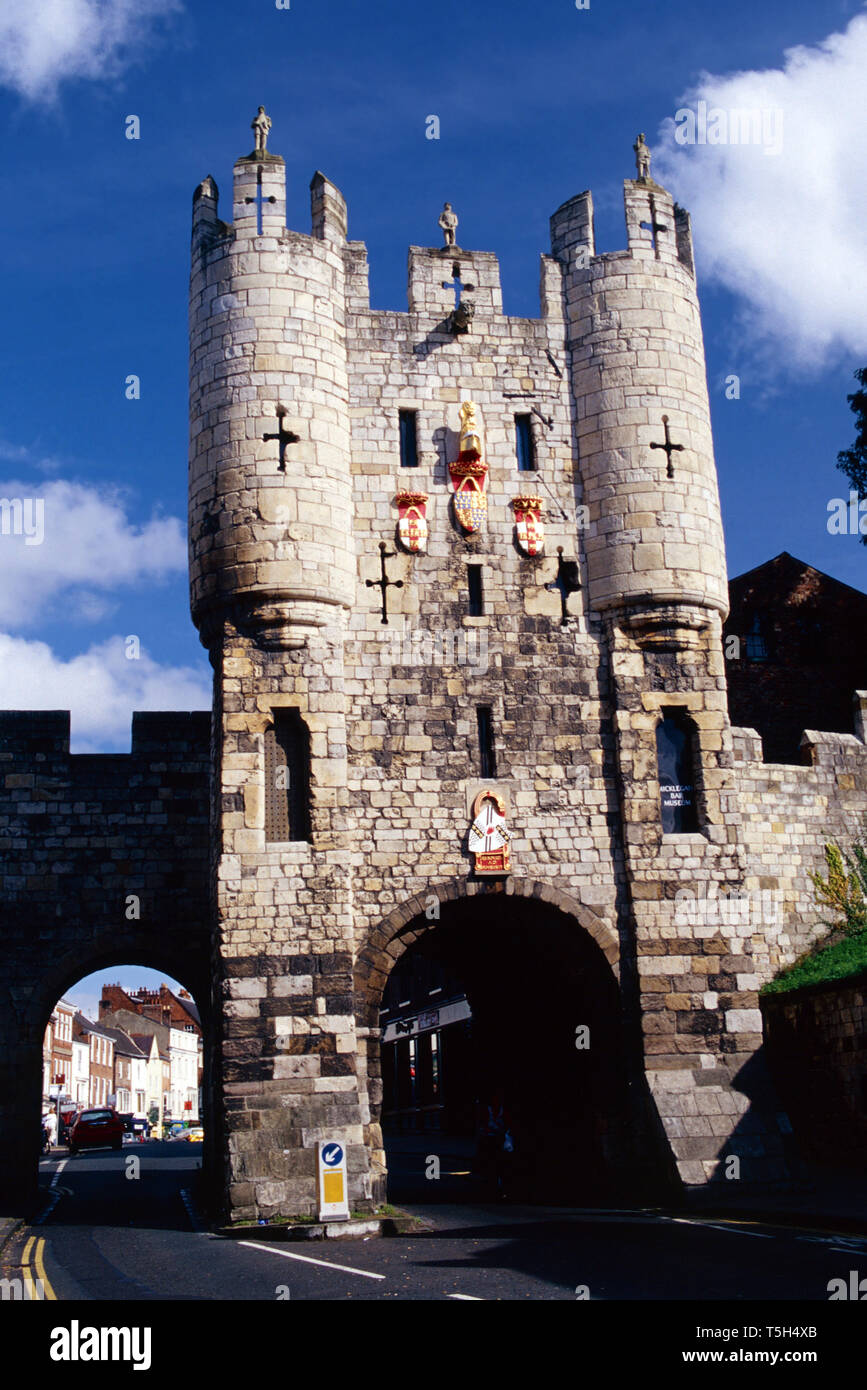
845,888
853,462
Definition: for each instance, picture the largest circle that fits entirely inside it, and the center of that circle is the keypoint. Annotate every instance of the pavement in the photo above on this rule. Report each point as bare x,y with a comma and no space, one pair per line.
831,1199
8,1226
821,1199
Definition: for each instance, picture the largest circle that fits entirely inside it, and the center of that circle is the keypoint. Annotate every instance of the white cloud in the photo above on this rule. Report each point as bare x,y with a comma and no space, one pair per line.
75,547
785,230
101,687
44,42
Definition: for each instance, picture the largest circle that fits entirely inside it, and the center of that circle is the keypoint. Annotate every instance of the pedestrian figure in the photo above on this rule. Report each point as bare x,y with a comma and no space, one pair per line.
496,1144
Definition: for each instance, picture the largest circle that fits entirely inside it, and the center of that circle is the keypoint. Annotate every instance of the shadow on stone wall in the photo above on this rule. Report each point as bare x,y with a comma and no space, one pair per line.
816,1043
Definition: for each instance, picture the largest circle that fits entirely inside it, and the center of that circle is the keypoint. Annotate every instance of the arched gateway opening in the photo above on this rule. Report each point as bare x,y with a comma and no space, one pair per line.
32,1004
488,1002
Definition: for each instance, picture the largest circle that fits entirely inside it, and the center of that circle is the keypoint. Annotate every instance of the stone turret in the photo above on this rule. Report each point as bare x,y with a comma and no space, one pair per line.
272,575
655,543
270,520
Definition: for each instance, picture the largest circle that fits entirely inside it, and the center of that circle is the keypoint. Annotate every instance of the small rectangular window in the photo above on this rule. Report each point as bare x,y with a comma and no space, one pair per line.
754,642
476,591
287,778
408,438
675,745
524,447
487,757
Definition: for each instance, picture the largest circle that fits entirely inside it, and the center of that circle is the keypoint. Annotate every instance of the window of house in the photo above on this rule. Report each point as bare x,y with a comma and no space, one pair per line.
755,646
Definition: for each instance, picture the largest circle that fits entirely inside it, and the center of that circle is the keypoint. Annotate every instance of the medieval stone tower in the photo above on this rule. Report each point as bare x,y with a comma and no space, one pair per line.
461,579
605,619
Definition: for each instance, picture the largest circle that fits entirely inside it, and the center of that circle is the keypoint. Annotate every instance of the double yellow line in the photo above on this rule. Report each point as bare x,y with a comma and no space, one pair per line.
35,1247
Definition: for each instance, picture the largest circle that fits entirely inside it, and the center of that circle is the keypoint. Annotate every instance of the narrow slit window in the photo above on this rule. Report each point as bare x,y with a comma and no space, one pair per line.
287,778
487,756
524,446
408,438
675,742
476,591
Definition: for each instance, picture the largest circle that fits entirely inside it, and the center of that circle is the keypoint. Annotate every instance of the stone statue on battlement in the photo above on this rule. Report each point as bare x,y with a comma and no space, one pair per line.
642,158
471,439
448,220
260,127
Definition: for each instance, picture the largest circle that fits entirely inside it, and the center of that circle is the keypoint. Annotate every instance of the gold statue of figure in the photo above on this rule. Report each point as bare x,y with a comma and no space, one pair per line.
471,440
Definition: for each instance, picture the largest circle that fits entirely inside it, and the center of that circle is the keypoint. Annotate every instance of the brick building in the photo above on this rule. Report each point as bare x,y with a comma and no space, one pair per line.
799,656
58,1051
162,1005
101,1062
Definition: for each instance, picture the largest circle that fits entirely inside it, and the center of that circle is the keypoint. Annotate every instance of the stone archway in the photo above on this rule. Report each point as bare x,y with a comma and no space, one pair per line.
33,989
387,941
502,940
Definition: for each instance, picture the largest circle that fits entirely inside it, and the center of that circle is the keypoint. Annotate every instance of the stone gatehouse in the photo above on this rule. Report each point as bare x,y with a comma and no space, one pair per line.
460,575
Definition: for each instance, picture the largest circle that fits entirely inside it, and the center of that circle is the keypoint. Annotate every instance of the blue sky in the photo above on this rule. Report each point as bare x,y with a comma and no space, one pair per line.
85,995
536,102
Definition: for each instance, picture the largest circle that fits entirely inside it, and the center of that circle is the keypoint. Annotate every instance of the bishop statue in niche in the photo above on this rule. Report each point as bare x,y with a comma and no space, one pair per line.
489,838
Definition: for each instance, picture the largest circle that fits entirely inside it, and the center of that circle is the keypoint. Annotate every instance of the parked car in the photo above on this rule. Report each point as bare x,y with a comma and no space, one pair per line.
67,1120
195,1135
96,1129
134,1125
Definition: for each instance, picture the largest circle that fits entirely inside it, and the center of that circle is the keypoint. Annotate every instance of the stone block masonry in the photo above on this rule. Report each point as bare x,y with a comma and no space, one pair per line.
817,1046
104,862
295,940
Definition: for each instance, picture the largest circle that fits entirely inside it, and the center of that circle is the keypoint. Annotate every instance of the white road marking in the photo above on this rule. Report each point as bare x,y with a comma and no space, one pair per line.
466,1297
60,1167
197,1225
711,1226
43,1216
846,1247
308,1259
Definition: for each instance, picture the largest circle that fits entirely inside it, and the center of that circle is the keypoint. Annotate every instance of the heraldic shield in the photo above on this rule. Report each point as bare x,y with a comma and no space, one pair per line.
529,527
489,839
471,501
412,523
470,473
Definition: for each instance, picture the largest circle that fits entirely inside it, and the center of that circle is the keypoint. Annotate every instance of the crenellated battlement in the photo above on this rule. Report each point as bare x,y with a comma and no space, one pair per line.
46,733
657,231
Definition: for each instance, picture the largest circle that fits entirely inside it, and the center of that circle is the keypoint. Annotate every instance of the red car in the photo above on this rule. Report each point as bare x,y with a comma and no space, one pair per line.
96,1129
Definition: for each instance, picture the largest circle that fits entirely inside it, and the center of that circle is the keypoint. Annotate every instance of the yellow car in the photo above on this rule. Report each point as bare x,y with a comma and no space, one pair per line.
193,1136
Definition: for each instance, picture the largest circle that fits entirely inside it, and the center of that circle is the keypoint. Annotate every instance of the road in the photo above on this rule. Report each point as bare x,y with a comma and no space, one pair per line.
103,1235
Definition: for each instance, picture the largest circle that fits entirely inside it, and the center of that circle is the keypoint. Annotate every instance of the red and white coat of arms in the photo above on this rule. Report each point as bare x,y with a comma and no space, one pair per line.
529,526
412,523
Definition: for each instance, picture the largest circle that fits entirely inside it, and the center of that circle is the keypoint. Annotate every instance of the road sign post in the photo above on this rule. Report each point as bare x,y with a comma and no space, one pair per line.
333,1185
